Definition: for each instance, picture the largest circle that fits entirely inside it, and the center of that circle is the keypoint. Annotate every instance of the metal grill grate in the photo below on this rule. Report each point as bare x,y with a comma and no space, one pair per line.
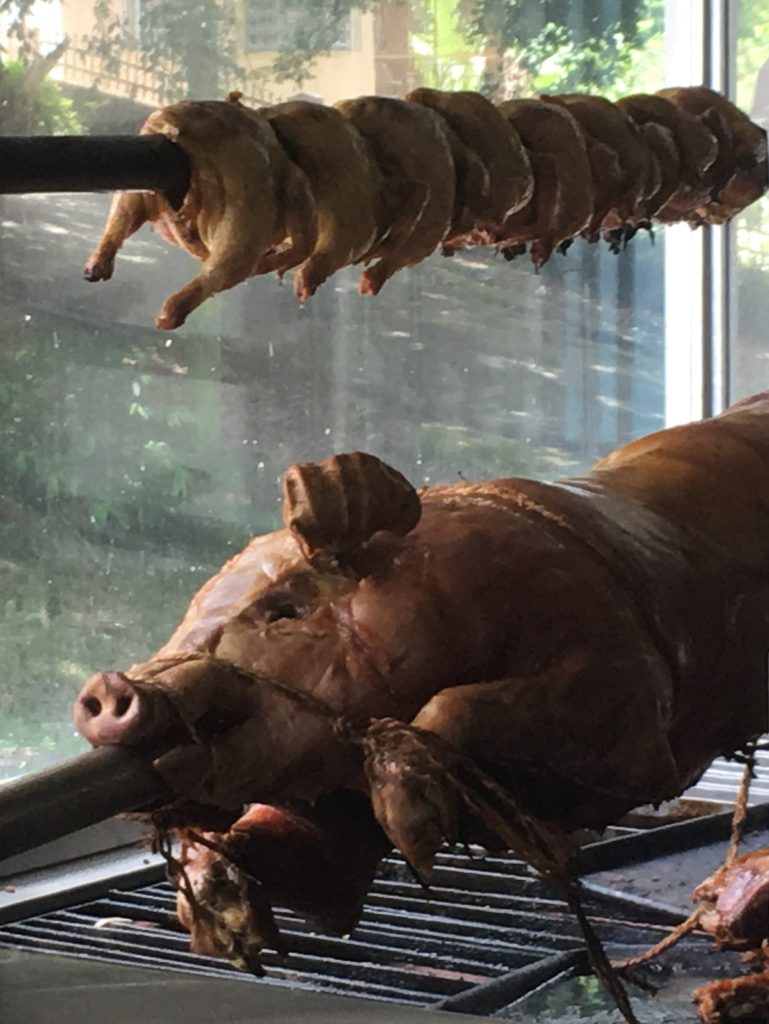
480,920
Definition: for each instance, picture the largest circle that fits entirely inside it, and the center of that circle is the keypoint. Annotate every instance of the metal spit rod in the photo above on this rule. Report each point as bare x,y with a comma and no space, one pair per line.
102,163
82,791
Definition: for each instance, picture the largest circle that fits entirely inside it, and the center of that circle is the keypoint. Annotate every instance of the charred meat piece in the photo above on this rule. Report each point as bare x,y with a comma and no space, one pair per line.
735,902
486,132
410,147
743,999
245,199
344,180
562,204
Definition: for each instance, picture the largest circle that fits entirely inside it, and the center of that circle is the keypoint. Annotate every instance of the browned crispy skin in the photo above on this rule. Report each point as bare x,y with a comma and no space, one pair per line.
562,204
344,180
662,146
410,146
337,505
697,151
609,556
128,212
740,177
246,198
485,131
614,143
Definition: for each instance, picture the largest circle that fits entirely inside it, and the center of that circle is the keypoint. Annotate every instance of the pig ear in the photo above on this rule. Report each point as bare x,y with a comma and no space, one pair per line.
337,505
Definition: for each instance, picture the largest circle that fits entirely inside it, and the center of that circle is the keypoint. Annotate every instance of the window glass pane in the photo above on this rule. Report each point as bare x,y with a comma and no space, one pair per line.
134,462
750,243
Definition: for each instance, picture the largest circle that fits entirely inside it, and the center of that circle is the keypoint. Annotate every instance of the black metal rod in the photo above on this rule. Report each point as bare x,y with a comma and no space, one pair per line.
649,911
70,796
491,996
104,163
657,842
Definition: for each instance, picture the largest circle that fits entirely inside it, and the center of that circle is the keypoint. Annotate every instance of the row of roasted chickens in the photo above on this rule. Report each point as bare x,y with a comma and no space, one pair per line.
386,182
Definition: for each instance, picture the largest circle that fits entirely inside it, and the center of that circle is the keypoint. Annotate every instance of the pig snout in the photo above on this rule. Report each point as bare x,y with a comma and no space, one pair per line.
109,710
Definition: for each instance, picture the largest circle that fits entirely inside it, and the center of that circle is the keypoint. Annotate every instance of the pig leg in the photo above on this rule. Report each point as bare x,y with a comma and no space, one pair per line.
554,721
536,730
129,210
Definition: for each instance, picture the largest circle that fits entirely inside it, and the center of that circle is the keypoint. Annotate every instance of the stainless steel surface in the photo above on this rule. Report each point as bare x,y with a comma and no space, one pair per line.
48,989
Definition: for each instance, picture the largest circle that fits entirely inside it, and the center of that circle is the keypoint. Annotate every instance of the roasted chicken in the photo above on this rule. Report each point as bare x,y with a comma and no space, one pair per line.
697,150
345,182
562,203
387,182
411,149
484,130
246,199
622,169
740,173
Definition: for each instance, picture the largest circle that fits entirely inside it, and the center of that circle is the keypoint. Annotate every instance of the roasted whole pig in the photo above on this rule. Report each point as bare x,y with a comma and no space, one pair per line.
584,646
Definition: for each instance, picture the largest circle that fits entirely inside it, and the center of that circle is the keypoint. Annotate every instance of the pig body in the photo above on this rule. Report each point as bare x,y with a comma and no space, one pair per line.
593,644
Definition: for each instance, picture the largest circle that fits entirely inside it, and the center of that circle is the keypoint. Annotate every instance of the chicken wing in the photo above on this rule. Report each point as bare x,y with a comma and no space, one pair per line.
486,132
410,146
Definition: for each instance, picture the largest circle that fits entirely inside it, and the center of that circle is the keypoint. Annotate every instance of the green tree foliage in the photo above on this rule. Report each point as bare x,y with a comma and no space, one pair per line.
586,45
28,107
